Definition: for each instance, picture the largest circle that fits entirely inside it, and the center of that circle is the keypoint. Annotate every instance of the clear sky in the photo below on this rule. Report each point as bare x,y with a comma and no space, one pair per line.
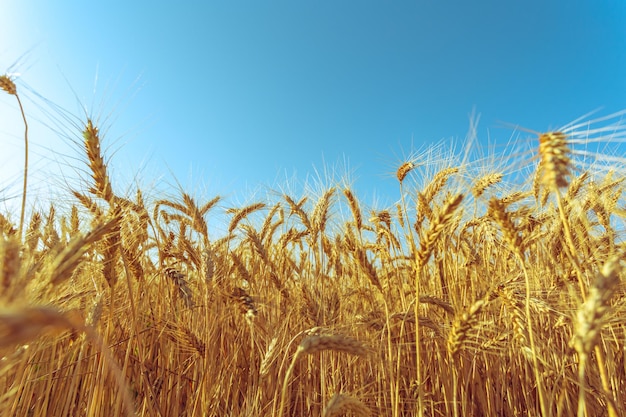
229,97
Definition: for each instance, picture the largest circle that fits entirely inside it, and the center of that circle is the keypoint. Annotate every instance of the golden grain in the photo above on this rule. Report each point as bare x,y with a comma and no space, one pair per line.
102,185
404,169
242,214
468,293
8,85
485,182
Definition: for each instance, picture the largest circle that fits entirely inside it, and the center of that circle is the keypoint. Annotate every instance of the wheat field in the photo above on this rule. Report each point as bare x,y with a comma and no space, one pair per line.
481,293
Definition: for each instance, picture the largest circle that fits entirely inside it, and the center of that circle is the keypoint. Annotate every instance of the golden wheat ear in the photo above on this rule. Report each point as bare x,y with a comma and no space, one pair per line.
404,170
591,315
102,184
555,160
8,85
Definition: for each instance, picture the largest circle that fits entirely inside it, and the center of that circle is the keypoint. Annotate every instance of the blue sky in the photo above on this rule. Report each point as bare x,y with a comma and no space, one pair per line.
232,97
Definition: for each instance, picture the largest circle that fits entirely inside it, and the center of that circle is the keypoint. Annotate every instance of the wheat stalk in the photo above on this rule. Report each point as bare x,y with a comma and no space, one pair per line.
23,325
8,85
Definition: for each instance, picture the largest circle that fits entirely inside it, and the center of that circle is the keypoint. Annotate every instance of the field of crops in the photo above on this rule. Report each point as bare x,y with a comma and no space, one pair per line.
483,292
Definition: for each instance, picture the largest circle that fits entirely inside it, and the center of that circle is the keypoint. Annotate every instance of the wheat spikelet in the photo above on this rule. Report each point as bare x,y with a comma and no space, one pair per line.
89,204
400,214
132,259
320,213
382,216
555,161
50,236
65,262
269,358
485,182
354,208
185,252
257,244
179,281
203,209
311,307
515,197
423,210
110,254
332,307
241,267
242,214
498,212
268,228
195,214
96,311
132,235
462,326
575,186
102,184
74,221
208,264
438,183
185,337
33,233
8,85
436,228
404,169
390,239
540,193
367,267
168,203
259,248
327,247
590,319
591,314
10,258
516,303
342,404
297,209
6,227
291,236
